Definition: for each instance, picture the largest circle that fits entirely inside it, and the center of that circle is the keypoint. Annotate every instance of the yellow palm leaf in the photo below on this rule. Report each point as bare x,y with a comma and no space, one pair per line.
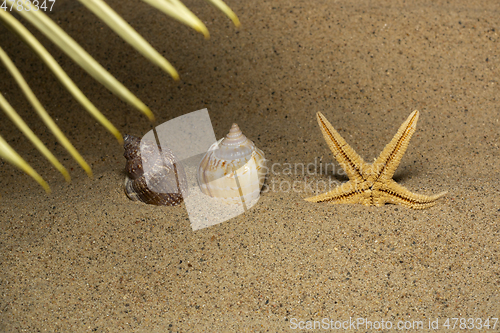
173,8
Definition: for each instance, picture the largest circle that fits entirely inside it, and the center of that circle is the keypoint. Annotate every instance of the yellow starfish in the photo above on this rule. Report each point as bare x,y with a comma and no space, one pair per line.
372,184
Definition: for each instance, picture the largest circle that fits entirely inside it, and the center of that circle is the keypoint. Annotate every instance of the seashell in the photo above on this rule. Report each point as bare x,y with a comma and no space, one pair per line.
216,172
154,176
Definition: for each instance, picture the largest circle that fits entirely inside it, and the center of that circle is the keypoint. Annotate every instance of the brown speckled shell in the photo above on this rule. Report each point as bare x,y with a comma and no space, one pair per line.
166,172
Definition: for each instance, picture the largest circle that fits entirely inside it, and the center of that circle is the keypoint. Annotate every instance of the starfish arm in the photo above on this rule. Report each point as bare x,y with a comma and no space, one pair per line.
347,193
392,192
349,160
389,159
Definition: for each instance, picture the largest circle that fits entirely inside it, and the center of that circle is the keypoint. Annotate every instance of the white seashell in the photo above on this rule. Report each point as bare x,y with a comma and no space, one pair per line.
216,172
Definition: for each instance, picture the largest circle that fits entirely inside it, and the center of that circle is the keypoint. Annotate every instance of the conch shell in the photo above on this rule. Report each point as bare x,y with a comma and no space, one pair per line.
154,176
233,169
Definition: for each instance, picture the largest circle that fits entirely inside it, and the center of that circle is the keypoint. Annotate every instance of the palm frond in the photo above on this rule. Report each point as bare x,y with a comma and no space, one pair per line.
44,115
125,31
27,37
177,10
226,10
173,8
10,155
16,119
68,45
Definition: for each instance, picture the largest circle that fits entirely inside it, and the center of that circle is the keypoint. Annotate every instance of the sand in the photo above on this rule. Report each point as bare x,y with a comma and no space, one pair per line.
86,258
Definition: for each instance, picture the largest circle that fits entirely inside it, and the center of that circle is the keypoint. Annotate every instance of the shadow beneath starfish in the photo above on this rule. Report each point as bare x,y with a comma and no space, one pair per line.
405,174
399,175
341,178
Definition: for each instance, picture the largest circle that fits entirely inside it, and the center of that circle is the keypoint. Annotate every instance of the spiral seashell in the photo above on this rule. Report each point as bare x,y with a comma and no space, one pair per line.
154,176
232,169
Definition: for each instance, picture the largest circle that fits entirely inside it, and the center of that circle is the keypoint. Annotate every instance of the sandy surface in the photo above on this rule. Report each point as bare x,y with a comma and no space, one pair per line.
86,258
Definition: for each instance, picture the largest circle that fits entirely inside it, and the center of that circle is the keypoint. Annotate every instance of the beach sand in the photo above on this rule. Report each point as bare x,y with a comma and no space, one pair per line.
86,258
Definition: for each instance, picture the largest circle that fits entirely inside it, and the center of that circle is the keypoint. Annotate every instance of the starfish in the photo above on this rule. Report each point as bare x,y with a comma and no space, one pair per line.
372,184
